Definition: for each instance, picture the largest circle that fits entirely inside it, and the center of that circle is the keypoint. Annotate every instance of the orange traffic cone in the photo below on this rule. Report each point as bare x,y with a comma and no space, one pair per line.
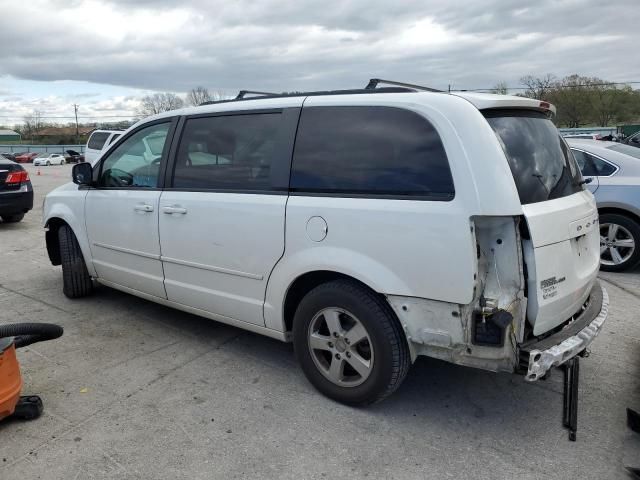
38,172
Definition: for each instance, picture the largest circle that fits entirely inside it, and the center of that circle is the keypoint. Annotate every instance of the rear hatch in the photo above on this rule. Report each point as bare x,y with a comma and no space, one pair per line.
561,243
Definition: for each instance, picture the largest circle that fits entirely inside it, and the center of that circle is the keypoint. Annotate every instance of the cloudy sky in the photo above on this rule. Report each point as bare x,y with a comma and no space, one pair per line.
104,55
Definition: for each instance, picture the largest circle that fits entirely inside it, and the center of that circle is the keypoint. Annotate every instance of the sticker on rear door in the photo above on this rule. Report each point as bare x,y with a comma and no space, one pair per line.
549,287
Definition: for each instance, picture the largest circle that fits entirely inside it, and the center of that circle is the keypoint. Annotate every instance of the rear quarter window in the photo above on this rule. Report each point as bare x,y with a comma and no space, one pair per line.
369,151
97,140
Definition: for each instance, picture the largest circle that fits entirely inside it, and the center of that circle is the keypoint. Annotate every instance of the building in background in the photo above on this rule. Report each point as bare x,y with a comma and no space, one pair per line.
9,136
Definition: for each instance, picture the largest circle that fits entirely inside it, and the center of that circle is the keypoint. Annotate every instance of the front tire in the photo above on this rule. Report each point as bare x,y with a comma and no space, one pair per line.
76,281
349,343
12,218
619,242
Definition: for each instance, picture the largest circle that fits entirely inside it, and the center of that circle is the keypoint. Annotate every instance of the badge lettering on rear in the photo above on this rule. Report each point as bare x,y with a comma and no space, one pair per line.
549,287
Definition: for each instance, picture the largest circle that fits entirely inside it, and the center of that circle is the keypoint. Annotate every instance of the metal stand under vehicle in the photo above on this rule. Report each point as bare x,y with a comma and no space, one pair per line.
570,398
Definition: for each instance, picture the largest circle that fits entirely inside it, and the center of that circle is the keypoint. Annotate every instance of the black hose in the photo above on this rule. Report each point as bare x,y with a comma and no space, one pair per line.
28,333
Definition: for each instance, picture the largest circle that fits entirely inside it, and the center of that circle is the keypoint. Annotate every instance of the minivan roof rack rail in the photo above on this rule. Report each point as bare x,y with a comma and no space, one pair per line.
243,93
373,83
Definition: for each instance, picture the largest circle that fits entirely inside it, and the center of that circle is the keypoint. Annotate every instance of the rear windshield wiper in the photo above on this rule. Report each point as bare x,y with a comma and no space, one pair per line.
584,181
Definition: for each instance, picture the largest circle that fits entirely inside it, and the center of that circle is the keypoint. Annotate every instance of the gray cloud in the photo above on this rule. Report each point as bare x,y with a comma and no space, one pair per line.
286,45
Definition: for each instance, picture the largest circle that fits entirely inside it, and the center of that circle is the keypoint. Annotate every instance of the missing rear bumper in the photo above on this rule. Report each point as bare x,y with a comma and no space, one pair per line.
564,345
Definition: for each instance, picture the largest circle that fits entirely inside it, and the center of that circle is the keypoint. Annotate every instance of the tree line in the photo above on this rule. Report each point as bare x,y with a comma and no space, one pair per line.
582,101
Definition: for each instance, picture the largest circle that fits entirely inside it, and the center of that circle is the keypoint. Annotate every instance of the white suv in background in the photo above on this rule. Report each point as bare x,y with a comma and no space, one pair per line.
368,227
99,140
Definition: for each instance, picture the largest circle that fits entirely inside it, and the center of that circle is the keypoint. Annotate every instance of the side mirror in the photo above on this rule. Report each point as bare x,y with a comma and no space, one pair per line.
82,173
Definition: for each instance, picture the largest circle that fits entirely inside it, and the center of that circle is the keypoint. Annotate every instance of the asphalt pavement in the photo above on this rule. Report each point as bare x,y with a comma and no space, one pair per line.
137,390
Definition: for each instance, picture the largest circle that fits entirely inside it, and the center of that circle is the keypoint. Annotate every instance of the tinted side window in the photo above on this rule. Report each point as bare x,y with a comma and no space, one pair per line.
227,152
113,139
369,150
603,168
591,166
97,139
585,162
136,161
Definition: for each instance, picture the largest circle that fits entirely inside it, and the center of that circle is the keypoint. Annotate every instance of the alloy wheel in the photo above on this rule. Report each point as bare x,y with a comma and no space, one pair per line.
616,244
340,347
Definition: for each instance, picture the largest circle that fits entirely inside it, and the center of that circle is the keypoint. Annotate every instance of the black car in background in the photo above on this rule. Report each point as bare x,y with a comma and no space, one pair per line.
71,156
16,191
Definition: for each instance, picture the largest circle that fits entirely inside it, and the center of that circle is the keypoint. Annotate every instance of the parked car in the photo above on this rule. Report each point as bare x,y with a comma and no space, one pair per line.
71,156
633,140
615,172
99,141
403,223
9,155
16,192
47,159
26,157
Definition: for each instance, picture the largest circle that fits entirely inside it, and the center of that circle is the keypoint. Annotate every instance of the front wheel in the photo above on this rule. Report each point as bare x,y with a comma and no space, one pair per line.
619,242
62,162
349,343
76,281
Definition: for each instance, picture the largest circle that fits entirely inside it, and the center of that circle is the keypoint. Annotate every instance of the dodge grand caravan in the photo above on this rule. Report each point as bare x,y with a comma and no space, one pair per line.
368,227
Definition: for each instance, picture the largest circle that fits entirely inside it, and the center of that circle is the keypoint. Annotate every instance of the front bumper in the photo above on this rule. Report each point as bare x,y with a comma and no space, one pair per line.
542,355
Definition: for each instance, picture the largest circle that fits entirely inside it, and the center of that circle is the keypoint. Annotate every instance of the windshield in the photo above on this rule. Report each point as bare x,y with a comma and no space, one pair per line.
540,160
42,155
626,149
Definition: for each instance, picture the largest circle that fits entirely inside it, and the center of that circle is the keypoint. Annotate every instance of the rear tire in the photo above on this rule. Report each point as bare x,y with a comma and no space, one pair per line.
369,369
616,257
76,281
12,218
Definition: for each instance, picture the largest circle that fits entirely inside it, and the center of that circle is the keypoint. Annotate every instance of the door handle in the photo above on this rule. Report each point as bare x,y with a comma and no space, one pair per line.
143,207
170,209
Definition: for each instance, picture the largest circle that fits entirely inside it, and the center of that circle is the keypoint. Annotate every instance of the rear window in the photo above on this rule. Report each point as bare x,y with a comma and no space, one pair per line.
97,139
370,151
541,163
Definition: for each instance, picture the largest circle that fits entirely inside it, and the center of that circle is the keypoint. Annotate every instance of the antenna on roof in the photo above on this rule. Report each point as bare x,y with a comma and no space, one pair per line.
242,93
373,83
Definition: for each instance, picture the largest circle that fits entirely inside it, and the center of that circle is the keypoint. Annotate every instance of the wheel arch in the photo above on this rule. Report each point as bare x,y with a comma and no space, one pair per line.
307,281
52,240
56,219
619,211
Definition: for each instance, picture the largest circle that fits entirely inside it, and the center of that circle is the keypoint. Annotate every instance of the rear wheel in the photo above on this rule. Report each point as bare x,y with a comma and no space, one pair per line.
12,218
76,281
349,343
619,242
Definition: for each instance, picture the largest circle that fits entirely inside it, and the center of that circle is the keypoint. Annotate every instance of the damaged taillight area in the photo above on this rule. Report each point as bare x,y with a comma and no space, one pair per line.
484,333
497,315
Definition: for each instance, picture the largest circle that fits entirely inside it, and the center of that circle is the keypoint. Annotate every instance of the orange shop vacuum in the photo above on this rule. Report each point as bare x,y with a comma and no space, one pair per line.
13,336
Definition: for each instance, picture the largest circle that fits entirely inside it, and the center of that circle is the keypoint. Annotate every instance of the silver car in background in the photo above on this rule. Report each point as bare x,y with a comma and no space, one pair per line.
615,172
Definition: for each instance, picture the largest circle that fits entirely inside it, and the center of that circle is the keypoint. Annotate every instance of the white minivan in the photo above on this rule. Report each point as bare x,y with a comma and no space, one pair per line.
368,227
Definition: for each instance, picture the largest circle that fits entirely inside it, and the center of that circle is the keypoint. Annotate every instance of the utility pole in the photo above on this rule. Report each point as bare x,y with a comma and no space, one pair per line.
75,108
